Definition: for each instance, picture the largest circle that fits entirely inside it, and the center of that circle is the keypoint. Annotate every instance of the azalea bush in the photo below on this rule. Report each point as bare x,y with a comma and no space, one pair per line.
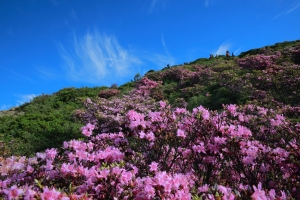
108,93
259,62
296,54
139,148
178,135
281,83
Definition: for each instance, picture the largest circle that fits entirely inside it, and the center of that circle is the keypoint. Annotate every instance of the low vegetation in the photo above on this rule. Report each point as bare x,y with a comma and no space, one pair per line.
209,129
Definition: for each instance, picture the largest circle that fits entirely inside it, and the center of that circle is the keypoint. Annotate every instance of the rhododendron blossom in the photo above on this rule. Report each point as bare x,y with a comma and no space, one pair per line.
146,149
14,192
48,194
180,133
153,166
87,130
258,194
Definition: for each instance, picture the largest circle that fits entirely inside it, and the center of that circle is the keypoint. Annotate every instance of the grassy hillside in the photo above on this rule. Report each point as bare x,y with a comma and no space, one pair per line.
268,76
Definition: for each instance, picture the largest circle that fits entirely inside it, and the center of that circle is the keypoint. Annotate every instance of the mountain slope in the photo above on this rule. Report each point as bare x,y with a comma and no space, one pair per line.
267,76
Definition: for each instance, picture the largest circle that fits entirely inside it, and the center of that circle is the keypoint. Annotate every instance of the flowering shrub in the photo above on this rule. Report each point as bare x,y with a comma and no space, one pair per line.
157,152
283,85
136,147
296,54
258,62
292,112
108,93
184,77
147,87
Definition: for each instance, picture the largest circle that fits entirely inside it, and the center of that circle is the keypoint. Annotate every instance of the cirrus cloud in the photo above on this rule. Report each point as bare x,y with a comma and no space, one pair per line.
222,49
25,98
98,58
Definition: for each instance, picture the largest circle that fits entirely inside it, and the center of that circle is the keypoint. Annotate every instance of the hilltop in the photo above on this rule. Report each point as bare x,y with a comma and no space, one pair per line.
267,76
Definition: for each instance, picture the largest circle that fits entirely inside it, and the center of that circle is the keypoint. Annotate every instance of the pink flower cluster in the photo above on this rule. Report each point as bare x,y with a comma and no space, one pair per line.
145,86
141,149
259,62
87,130
108,93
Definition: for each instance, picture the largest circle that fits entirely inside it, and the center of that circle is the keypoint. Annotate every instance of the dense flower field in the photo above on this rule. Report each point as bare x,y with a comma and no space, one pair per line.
137,148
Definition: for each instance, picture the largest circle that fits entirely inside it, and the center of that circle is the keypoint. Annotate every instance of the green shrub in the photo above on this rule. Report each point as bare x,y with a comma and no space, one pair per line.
196,101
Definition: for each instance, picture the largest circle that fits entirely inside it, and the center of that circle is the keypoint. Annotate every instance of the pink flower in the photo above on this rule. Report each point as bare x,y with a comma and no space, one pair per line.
283,196
150,136
180,133
14,192
232,109
162,104
136,119
150,191
213,148
220,140
199,148
67,168
203,188
205,112
153,166
155,116
142,134
186,153
180,110
272,194
49,165
258,194
51,153
65,145
103,173
29,169
29,193
241,118
50,194
126,177
222,189
42,156
278,121
87,130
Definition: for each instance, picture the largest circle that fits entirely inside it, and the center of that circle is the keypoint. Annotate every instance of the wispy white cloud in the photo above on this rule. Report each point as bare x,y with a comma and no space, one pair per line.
98,58
292,9
46,73
165,46
24,98
21,77
237,51
227,46
207,3
163,40
278,15
159,60
222,49
165,59
152,5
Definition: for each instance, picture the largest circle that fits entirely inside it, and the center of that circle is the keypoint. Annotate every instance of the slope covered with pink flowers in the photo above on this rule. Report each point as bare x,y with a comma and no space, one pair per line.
211,129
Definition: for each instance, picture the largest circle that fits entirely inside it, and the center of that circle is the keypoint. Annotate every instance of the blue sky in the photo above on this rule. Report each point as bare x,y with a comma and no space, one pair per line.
48,45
